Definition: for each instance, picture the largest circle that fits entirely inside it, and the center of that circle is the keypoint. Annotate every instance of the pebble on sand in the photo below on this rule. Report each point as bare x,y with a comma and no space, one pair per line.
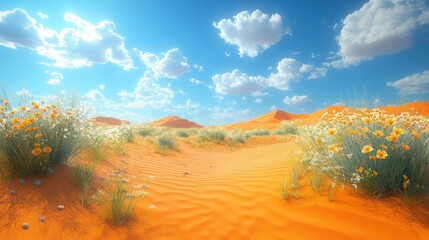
42,219
37,182
25,226
61,207
13,192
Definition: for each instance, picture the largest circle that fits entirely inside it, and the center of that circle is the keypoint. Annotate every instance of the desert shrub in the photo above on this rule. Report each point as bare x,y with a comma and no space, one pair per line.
145,130
35,135
378,153
259,132
83,171
236,136
166,142
286,128
215,135
119,206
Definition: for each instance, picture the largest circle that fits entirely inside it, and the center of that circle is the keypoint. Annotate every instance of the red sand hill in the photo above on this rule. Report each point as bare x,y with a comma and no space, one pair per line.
175,122
268,121
108,121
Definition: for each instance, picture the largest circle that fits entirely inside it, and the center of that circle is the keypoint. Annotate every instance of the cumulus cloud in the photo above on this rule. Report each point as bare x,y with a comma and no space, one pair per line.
195,81
413,84
84,44
258,100
42,15
95,94
252,32
288,69
171,65
273,108
296,100
238,83
55,79
101,86
198,67
379,27
23,93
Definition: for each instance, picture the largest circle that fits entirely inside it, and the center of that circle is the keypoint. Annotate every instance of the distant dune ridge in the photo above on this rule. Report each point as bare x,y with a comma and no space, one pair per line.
272,119
109,121
175,122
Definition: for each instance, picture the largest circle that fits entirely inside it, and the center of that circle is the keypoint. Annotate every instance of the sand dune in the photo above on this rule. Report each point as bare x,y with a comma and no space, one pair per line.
208,195
175,122
266,121
109,121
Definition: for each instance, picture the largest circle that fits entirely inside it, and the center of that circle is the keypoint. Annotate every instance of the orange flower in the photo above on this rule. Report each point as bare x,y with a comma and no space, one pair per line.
38,135
52,115
332,131
5,102
37,145
359,170
22,108
415,135
390,121
364,130
393,137
405,147
15,127
366,120
28,129
47,149
31,120
319,140
352,132
367,149
36,106
375,173
35,128
383,147
398,131
37,115
378,133
24,122
36,151
334,148
381,154
372,157
15,120
12,112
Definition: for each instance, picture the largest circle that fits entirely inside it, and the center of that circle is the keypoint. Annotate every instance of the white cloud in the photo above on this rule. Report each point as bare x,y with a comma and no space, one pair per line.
295,100
258,100
252,32
42,15
379,27
55,79
23,93
95,94
273,108
227,54
195,81
288,69
125,95
84,44
172,64
101,86
318,73
413,84
237,83
229,114
198,67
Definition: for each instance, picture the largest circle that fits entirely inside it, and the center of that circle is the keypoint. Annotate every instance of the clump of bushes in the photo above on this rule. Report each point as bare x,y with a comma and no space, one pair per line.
35,135
287,128
216,135
379,153
259,132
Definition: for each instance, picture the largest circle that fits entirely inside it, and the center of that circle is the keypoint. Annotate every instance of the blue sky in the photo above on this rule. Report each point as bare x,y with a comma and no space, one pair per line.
216,62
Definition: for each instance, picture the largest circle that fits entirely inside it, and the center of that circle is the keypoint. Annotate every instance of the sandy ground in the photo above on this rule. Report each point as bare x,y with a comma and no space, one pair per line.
220,193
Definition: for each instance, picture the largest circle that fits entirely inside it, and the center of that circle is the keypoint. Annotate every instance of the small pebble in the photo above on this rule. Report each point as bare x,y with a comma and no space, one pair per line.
37,182
61,207
12,192
25,226
50,170
21,181
42,219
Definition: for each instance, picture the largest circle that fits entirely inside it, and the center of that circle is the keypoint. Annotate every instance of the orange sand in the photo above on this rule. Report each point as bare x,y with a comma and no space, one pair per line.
109,121
199,194
175,122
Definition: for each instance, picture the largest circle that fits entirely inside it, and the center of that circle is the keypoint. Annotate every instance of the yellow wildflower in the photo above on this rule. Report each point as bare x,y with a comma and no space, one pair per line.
381,154
378,133
367,149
